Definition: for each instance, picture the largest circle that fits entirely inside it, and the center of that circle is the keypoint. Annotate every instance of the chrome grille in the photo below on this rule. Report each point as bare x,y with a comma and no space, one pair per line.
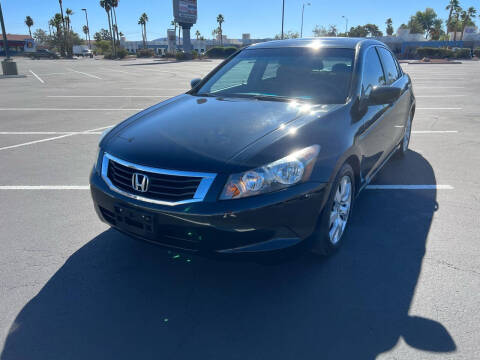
168,187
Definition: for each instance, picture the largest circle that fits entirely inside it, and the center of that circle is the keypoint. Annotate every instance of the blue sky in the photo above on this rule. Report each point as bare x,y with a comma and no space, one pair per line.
261,18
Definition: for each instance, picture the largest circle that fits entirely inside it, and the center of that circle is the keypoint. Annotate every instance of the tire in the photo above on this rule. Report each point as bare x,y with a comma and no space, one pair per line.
325,240
402,150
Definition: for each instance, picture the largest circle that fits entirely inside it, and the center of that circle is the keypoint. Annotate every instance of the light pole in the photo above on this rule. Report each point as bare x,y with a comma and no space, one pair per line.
283,15
346,24
9,67
88,29
303,10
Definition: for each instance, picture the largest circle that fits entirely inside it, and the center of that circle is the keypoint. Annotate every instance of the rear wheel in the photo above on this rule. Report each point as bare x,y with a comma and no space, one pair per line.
334,218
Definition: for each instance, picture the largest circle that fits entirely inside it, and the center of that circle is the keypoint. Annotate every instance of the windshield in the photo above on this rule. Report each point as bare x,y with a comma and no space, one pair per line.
320,76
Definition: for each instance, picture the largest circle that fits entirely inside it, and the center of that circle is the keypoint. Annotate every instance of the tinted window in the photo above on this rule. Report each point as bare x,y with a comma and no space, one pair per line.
320,76
390,65
372,72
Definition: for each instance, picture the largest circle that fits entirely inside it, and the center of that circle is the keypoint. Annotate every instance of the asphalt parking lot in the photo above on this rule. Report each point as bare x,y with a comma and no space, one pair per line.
406,284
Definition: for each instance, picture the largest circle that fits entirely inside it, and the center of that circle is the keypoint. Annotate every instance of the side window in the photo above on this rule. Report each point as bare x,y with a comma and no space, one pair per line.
390,65
372,72
237,75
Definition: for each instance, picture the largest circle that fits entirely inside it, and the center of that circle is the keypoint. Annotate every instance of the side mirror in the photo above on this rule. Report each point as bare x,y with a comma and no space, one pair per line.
382,95
195,82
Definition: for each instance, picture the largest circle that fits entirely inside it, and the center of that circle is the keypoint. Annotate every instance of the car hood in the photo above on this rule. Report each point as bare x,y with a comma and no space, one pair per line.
200,133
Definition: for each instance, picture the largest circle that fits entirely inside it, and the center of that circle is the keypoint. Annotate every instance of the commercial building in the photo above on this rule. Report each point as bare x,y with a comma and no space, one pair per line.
17,44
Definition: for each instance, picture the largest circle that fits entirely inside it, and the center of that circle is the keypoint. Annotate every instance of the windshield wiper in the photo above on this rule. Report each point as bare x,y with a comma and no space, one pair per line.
267,97
205,94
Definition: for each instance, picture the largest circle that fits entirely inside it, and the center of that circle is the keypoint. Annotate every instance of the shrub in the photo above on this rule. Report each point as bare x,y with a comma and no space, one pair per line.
220,52
463,53
180,55
435,53
476,52
145,53
121,53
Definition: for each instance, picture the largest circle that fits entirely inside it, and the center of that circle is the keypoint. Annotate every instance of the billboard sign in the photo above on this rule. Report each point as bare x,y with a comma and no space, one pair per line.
185,11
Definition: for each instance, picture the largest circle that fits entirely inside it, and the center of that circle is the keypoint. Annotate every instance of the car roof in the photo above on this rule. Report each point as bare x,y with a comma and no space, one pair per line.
330,42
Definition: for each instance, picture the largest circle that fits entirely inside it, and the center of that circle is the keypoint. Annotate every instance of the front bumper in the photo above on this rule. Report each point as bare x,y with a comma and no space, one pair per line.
261,223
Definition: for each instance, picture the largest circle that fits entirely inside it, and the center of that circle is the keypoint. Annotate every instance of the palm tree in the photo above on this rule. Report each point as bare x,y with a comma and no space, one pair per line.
85,31
456,22
64,32
174,24
114,6
29,23
68,12
467,17
453,6
197,34
144,19
214,34
220,20
106,5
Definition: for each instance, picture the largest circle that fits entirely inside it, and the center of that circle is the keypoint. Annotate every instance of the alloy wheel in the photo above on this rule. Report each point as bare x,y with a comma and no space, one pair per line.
340,209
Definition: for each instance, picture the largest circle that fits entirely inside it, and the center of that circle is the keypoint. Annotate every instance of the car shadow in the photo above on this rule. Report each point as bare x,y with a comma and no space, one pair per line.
118,298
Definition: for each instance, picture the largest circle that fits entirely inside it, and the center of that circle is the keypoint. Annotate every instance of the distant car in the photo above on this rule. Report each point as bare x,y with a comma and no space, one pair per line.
43,53
269,149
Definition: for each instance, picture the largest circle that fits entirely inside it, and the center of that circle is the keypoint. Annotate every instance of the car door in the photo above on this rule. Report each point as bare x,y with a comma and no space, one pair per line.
399,110
375,124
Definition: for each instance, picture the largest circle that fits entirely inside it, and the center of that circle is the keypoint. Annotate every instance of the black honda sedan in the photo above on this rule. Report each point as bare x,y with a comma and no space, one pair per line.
269,149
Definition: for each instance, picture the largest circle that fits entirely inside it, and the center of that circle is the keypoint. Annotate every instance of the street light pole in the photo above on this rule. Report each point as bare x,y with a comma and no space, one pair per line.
283,15
303,10
346,24
88,30
4,33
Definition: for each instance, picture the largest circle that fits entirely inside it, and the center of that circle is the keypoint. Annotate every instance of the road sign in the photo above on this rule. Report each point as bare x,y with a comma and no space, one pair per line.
185,11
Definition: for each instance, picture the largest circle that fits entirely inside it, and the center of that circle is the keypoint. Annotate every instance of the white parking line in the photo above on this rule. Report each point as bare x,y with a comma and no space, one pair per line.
49,132
44,187
109,96
165,89
48,139
438,87
438,96
438,108
410,187
434,131
38,77
86,74
63,109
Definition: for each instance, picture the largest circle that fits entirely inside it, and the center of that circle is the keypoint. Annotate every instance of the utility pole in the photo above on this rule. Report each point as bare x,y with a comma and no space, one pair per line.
88,28
283,15
9,67
303,10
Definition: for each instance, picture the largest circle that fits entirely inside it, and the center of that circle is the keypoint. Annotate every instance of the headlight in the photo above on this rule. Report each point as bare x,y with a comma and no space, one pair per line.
290,170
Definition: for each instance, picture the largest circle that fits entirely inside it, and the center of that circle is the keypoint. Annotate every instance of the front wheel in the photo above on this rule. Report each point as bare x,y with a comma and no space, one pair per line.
335,215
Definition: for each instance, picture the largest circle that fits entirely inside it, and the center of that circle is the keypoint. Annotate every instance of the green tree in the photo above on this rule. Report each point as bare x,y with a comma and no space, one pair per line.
436,32
103,34
142,21
373,30
466,17
426,20
85,31
107,6
220,21
41,37
64,31
452,7
389,29
358,31
414,26
29,23
197,34
288,35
